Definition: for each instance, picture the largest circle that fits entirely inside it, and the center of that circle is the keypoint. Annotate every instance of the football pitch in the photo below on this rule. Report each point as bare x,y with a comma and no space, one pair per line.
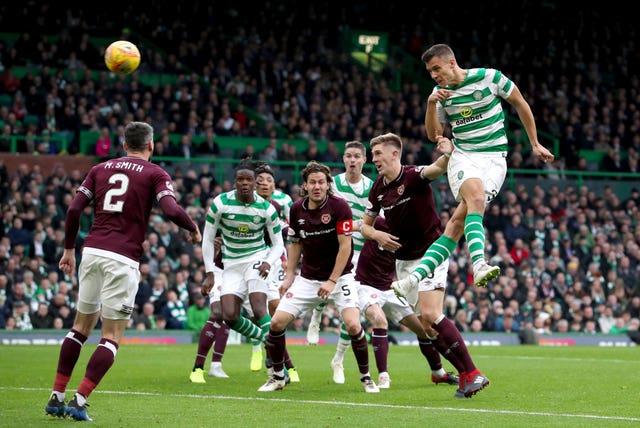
531,386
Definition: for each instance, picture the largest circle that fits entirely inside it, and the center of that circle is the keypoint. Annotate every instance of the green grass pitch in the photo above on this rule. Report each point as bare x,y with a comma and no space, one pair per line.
531,386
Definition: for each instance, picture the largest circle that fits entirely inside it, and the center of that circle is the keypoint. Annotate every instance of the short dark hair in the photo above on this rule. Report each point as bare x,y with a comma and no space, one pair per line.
355,145
137,135
245,164
263,167
388,138
440,50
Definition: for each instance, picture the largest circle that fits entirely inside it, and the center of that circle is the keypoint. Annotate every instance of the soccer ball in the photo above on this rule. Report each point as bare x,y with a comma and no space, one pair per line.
122,57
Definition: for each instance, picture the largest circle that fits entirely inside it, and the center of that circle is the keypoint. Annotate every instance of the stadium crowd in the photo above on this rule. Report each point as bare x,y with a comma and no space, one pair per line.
570,257
285,63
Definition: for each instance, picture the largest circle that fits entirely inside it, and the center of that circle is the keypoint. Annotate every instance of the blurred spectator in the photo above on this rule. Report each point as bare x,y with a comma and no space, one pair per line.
460,321
519,252
161,322
562,326
18,235
248,152
67,315
515,230
485,316
103,143
10,323
21,316
159,292
186,148
209,147
197,313
15,295
146,318
42,318
174,311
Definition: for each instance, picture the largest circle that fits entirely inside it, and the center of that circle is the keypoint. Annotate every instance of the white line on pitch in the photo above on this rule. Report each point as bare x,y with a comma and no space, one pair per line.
344,403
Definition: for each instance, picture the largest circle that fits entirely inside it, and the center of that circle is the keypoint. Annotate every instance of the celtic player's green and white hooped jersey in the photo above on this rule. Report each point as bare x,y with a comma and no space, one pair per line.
284,201
243,226
474,111
356,196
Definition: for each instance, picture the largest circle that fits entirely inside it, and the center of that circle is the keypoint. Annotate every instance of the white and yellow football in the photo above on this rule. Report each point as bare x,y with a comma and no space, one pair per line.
122,57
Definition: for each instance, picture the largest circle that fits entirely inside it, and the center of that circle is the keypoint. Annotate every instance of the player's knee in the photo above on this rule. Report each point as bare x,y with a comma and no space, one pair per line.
353,326
377,318
476,202
230,319
454,228
428,317
279,322
261,313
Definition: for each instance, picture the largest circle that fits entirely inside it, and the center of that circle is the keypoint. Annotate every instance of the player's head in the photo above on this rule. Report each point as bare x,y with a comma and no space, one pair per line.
386,150
245,180
354,157
441,64
265,180
138,137
316,181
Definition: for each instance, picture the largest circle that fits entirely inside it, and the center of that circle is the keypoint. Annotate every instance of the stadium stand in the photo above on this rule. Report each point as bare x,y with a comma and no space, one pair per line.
240,77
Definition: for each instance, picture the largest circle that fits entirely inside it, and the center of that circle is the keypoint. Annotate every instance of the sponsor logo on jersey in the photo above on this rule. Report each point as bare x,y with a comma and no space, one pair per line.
468,118
466,111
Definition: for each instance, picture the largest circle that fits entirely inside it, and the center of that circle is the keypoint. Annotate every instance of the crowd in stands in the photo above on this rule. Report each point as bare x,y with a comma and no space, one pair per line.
285,62
570,256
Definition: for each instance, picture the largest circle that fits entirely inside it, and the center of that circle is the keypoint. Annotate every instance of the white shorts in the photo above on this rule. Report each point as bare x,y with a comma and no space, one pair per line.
273,293
275,278
491,168
393,307
436,281
107,283
303,295
242,279
214,293
354,260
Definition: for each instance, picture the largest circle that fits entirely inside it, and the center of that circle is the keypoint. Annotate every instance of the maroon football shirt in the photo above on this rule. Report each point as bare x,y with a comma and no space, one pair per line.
376,266
409,209
123,192
318,232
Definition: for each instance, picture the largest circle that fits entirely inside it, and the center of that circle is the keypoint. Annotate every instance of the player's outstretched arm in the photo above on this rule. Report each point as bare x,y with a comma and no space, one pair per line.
180,217
528,121
439,167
